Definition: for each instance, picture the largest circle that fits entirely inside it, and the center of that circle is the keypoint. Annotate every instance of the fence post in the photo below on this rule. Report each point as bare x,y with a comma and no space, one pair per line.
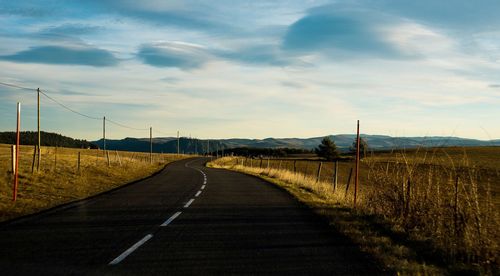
295,166
305,170
318,176
16,173
260,165
107,156
455,211
348,182
357,167
34,159
279,166
118,157
335,176
55,158
151,145
79,163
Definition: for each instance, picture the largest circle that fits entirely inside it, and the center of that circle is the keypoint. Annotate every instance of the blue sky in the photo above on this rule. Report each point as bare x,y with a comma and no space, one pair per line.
255,69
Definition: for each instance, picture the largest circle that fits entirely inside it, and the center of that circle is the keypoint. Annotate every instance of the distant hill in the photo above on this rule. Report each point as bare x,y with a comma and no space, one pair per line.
343,141
47,139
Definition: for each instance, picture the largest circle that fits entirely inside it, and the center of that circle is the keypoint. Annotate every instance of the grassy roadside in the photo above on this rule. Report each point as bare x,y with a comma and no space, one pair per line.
59,181
393,246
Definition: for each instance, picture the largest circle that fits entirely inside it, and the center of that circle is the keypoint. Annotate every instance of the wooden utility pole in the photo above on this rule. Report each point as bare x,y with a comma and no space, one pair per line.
16,171
356,179
151,145
104,133
38,127
208,147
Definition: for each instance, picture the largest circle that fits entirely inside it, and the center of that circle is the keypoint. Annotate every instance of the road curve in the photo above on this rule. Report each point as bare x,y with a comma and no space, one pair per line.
188,219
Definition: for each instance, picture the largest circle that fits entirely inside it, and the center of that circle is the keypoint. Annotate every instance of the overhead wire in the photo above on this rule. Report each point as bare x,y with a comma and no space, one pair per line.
44,93
17,86
68,108
125,126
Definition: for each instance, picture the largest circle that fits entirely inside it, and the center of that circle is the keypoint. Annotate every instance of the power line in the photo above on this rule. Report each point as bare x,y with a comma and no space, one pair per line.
68,108
77,112
17,86
163,133
125,126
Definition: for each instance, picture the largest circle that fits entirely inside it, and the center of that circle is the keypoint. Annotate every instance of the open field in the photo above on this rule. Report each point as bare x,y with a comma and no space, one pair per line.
59,181
419,211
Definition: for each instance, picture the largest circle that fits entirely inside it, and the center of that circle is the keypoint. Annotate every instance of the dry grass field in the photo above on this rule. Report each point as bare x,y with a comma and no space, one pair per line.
422,211
59,181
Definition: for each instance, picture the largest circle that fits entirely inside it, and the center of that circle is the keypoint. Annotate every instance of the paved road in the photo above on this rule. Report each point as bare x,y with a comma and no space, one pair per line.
188,219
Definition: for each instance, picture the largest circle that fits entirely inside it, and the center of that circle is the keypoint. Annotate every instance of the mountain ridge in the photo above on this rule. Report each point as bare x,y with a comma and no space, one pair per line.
343,142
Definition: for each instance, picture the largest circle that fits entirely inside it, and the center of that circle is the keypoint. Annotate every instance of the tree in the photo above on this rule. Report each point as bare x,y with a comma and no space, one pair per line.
327,149
363,147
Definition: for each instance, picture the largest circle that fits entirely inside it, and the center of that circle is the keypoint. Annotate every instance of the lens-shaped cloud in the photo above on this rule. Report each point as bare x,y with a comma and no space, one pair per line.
64,55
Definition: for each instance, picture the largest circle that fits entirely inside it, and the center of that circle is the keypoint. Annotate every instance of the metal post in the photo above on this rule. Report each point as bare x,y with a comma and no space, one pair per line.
38,126
16,173
356,179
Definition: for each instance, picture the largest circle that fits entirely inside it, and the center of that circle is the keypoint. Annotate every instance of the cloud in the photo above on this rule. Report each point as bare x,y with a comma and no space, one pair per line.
494,85
330,31
457,14
65,56
173,54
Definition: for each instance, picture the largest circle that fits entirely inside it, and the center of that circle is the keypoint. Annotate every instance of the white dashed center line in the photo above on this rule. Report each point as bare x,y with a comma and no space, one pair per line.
127,252
197,194
169,220
189,203
203,187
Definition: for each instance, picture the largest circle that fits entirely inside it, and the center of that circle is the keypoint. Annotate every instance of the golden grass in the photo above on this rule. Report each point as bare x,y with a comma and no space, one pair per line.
58,181
411,213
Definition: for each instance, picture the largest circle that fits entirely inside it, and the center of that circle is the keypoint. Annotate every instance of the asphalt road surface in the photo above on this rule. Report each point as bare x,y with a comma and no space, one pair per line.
188,219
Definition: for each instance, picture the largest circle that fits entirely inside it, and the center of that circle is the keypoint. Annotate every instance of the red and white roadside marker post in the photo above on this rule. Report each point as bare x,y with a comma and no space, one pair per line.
16,168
